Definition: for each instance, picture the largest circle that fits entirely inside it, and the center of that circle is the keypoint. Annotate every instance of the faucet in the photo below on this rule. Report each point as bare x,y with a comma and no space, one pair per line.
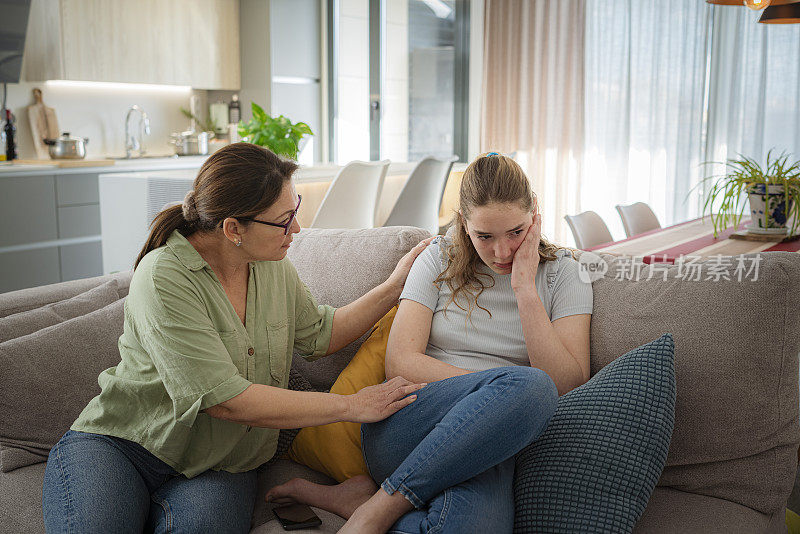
132,142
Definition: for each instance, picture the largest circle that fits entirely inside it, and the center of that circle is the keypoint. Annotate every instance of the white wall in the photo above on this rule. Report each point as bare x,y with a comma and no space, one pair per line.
97,111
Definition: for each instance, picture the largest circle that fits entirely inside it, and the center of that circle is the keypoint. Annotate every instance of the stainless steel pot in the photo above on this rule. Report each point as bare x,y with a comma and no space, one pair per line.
67,147
190,143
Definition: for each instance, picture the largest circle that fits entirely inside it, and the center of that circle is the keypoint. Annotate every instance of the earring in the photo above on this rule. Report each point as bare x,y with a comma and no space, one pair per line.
239,243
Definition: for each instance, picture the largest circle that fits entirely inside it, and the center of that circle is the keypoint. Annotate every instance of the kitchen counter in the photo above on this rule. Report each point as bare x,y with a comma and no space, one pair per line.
121,165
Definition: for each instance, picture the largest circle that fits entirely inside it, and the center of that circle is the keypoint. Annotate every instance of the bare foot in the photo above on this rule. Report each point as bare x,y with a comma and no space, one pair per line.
341,499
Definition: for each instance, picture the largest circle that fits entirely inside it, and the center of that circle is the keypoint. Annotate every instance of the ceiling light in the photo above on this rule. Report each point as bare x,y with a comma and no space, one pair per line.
781,14
756,5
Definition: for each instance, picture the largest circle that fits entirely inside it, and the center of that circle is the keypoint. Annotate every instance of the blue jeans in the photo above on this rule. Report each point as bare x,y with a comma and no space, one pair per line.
451,452
95,483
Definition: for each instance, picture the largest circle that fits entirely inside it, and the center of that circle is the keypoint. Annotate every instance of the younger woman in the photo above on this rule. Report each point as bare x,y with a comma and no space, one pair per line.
496,321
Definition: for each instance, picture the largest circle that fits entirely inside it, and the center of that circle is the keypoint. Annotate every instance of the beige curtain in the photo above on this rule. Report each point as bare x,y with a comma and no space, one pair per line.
533,98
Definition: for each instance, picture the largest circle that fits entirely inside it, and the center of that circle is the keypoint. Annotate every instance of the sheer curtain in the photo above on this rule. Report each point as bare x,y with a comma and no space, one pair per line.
533,97
611,103
645,70
755,88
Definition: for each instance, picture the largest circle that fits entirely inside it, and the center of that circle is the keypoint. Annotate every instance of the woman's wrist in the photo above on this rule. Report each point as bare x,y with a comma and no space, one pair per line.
390,293
526,294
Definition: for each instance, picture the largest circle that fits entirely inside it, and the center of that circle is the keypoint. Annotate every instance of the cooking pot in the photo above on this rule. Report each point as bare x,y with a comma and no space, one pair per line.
191,143
67,147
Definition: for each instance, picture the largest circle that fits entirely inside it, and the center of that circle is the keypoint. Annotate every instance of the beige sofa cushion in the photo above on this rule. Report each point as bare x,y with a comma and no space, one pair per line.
338,266
736,363
28,322
36,297
48,378
671,511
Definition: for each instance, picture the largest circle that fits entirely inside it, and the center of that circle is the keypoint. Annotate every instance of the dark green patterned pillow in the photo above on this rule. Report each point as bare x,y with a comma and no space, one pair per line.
597,463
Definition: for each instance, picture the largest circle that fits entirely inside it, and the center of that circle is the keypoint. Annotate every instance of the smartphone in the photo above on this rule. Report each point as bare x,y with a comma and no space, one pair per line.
296,516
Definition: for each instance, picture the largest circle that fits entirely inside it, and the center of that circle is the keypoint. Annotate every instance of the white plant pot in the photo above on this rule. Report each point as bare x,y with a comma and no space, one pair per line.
767,209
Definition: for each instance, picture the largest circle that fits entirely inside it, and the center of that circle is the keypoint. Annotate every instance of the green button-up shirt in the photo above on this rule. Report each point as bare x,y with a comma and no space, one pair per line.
184,349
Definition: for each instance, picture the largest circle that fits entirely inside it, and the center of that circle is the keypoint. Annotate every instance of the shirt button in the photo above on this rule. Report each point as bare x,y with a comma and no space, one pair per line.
250,351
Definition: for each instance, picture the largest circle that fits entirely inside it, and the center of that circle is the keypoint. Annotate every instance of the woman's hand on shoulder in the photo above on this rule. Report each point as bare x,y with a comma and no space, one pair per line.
526,259
376,403
398,277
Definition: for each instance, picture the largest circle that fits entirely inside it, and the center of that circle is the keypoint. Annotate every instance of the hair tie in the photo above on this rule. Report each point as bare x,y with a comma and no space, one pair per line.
189,207
490,154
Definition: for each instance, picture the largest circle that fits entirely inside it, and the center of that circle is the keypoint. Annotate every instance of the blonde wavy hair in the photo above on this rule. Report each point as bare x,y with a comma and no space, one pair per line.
491,178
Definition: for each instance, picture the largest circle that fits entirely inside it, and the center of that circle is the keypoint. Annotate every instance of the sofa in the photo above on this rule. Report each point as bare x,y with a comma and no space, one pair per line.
733,455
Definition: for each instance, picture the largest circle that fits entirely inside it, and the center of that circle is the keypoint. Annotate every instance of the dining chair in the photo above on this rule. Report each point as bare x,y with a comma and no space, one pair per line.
421,196
589,229
352,198
637,218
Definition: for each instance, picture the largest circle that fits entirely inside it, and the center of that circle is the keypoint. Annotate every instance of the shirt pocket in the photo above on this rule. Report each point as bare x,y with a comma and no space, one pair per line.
234,347
278,341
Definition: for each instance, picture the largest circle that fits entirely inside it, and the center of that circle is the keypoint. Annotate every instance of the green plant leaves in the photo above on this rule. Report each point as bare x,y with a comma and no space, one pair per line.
276,133
742,175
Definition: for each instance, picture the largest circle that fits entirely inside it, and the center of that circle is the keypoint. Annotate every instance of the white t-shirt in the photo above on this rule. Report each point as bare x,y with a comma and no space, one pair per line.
483,342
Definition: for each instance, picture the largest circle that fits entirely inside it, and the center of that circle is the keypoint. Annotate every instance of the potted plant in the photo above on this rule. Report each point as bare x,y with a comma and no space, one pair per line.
276,133
773,192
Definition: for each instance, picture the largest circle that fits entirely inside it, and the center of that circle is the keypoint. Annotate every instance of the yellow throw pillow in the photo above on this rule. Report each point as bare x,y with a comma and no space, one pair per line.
335,449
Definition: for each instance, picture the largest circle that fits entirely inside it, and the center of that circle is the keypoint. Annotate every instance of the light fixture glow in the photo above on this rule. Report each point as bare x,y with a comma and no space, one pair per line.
113,86
757,5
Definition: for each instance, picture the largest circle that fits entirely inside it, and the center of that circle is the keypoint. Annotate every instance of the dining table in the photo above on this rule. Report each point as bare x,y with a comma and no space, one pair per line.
695,238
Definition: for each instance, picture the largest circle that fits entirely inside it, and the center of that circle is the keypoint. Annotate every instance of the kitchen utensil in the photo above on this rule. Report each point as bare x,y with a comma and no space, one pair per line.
191,143
44,124
67,147
219,117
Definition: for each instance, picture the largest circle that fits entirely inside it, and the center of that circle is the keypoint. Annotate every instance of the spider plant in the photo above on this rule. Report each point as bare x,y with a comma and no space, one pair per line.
743,177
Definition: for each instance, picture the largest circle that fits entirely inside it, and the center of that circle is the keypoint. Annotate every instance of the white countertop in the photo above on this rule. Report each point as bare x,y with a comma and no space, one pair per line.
305,174
120,165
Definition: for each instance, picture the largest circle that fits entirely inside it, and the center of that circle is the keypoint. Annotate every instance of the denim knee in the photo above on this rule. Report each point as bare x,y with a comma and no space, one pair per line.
533,398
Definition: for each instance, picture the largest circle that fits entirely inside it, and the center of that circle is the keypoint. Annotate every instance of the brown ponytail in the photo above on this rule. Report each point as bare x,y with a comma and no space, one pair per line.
239,180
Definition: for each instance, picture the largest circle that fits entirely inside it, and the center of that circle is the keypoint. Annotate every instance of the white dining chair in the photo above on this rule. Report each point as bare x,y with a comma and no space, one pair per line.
421,196
637,218
352,198
589,229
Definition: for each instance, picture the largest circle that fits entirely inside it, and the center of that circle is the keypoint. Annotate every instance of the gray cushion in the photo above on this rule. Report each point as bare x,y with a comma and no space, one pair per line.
27,322
736,345
671,511
49,377
338,266
276,473
595,466
21,500
36,297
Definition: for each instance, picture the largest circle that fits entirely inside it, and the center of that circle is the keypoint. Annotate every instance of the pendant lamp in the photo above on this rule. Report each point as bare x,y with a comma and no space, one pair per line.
781,14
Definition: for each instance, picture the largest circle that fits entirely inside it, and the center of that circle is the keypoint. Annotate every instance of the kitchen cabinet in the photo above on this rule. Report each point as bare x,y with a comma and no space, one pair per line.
51,219
179,42
29,268
27,210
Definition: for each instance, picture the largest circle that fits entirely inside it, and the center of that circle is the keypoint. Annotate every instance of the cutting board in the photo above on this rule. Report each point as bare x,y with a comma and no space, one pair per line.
44,124
64,163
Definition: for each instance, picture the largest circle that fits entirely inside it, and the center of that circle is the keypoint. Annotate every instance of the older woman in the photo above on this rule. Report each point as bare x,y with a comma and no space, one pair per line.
214,313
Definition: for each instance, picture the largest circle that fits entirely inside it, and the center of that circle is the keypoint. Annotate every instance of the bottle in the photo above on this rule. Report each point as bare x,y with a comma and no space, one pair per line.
10,130
234,110
219,117
2,140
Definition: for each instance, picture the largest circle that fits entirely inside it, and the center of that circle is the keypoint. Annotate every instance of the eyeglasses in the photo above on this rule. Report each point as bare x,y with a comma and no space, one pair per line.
284,226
